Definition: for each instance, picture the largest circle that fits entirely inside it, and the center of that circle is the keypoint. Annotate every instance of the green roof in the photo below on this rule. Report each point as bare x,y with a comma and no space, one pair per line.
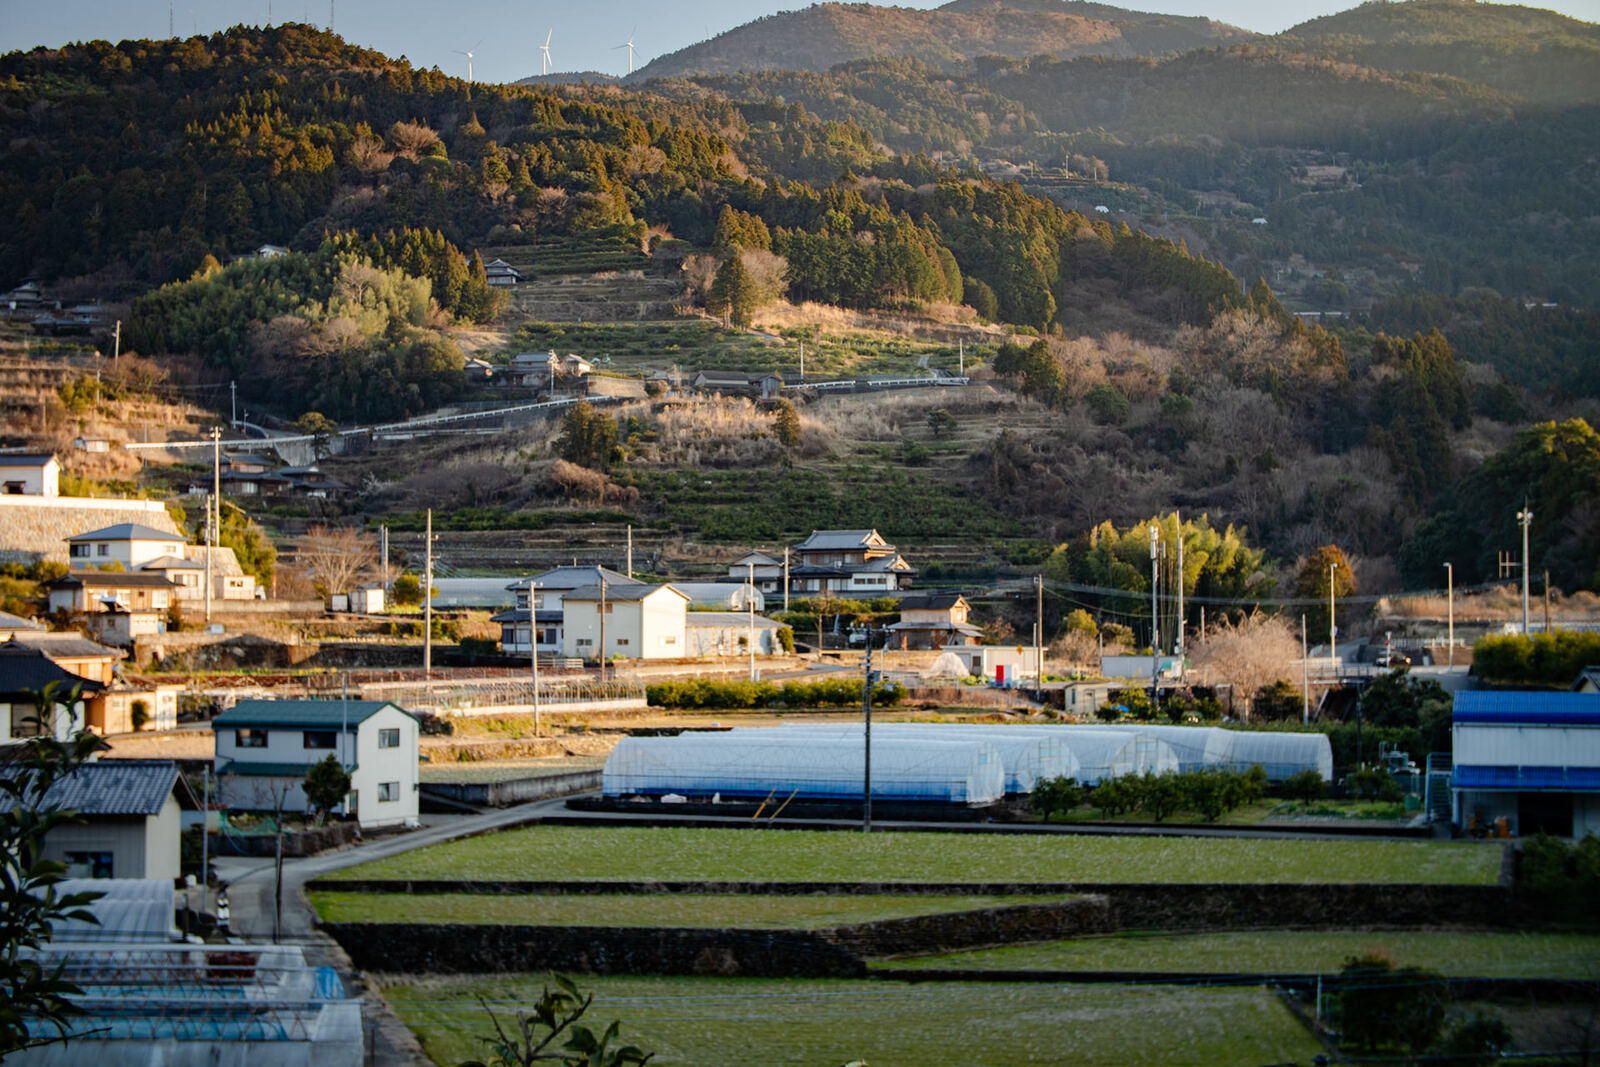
273,770
324,714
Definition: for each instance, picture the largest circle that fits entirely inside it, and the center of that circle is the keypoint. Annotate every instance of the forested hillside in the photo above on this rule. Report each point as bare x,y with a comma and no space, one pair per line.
821,36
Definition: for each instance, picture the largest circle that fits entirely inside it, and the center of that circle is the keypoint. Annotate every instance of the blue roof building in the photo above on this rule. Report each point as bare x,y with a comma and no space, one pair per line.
1531,759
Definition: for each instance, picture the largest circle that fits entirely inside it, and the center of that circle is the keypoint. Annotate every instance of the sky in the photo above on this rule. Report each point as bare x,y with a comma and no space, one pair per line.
504,35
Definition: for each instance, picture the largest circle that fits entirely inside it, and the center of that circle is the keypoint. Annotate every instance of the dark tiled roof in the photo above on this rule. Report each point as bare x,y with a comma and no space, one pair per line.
24,669
25,459
328,714
623,591
930,602
70,645
837,540
102,579
9,621
114,787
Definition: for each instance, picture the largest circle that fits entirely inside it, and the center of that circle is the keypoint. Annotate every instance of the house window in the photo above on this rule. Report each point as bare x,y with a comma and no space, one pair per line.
102,550
250,739
388,791
622,642
608,609
89,865
389,738
321,738
78,551
670,640
585,642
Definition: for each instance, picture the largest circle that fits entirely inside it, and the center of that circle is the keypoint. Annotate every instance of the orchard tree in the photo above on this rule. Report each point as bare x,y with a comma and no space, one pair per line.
327,784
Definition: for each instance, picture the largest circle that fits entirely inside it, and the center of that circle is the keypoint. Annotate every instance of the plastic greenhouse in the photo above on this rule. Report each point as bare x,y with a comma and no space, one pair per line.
812,768
1026,755
1103,754
1281,755
1197,747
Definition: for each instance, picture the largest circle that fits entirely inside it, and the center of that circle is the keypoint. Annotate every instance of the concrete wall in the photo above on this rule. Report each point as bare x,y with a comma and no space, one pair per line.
515,790
36,527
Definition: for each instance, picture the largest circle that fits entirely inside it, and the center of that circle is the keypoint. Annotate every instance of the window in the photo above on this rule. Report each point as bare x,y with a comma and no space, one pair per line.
250,739
389,738
608,609
78,551
585,642
16,488
622,642
102,550
89,865
321,738
669,640
388,791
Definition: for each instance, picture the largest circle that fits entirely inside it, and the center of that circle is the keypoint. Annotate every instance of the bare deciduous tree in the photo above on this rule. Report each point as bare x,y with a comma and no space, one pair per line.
1254,652
337,558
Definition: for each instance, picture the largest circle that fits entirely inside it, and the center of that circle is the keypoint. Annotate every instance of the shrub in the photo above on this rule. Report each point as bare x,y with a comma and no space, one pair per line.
1541,659
1115,796
478,646
1482,1039
1135,700
431,725
1163,794
406,590
1374,783
1305,786
1384,1005
1056,795
1561,879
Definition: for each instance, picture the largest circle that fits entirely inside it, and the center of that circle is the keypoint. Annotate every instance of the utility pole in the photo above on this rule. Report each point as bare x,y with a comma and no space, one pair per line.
630,550
533,647
802,361
1546,601
750,607
961,357
1038,635
1450,600
427,600
1333,648
1177,647
1305,674
785,578
602,625
1155,621
1525,517
384,536
866,720
233,402
116,343
216,491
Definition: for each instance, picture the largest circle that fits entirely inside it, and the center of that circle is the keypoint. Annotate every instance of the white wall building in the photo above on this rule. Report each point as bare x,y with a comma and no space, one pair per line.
127,820
551,587
265,747
30,474
729,633
640,622
1531,758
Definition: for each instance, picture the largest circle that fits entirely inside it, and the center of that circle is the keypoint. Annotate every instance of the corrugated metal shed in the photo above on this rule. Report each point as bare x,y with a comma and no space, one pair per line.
113,787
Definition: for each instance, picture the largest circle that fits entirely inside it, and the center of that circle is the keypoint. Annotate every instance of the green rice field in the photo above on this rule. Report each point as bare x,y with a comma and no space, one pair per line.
723,911
719,1022
1498,955
698,854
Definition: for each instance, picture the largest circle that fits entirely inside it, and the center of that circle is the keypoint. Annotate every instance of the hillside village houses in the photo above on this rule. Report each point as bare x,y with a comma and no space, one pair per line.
143,550
265,747
633,621
30,474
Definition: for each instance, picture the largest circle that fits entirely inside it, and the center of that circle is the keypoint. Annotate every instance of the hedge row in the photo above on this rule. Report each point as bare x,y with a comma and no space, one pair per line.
706,693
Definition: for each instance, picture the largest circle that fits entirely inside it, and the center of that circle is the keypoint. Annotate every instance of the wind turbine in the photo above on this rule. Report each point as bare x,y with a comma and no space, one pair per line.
544,52
629,47
468,53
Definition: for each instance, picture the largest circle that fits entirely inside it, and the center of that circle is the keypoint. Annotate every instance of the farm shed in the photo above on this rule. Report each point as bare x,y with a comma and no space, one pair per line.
1530,758
821,768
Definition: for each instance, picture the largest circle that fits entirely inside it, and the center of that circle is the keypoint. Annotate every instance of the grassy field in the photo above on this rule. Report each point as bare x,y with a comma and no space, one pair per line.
696,344
722,911
566,853
711,1022
1520,955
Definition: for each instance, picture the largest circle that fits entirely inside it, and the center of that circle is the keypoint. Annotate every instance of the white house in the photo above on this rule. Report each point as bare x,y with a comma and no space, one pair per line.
552,585
640,622
1531,758
729,633
30,474
127,820
265,747
934,620
127,543
146,550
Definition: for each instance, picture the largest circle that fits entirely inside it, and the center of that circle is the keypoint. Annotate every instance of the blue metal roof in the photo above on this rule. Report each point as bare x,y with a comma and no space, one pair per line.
1528,779
1523,708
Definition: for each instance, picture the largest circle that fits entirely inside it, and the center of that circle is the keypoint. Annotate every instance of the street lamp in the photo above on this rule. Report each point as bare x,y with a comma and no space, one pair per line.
1333,648
1450,599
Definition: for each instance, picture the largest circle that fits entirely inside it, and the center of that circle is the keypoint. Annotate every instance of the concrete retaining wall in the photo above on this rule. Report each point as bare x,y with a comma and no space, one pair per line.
515,790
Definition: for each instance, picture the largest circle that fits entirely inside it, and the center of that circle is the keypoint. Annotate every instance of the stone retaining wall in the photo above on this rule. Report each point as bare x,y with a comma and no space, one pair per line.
37,527
470,948
951,931
1134,905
